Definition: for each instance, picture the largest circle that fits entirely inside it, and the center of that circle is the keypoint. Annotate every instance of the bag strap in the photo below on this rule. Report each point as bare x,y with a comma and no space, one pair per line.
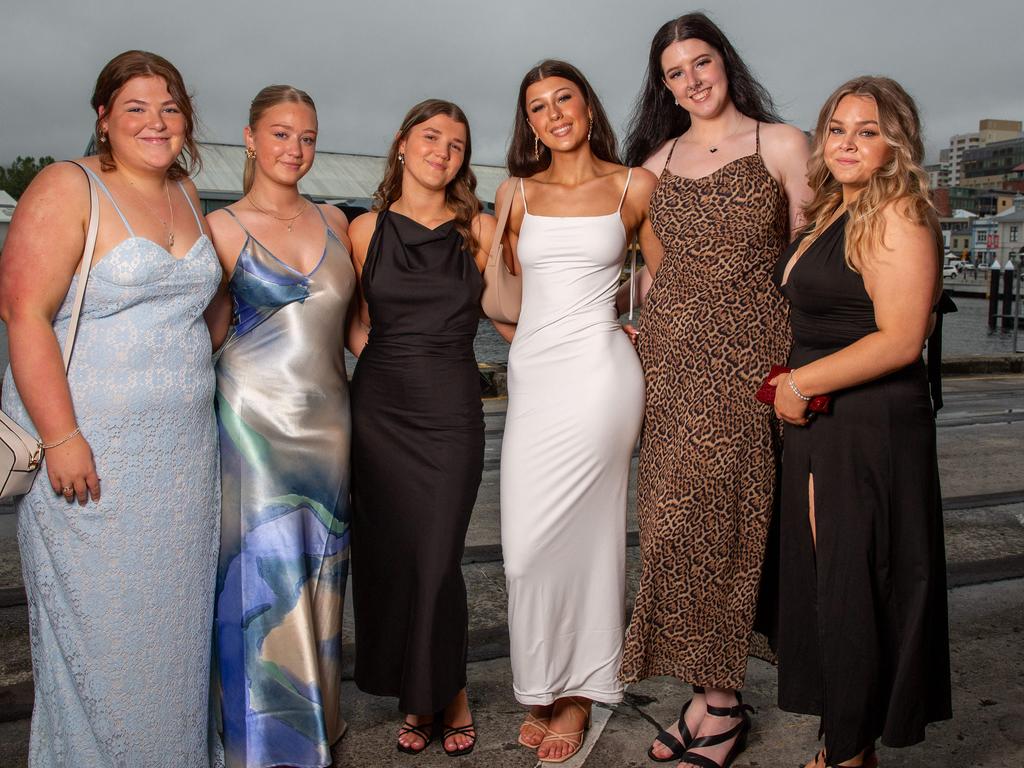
634,247
506,208
83,270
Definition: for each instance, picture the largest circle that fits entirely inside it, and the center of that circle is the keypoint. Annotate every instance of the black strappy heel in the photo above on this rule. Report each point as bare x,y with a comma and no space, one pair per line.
738,731
425,731
463,730
671,742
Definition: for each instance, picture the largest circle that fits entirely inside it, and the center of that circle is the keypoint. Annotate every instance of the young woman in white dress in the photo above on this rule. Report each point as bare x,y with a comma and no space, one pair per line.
575,406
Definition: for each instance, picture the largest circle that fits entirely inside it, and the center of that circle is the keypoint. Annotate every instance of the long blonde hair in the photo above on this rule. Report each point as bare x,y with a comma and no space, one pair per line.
269,97
902,178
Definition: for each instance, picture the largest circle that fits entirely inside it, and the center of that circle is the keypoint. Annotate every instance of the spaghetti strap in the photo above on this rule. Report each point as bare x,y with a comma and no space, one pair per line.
522,191
625,189
110,197
238,221
192,207
327,226
757,138
670,151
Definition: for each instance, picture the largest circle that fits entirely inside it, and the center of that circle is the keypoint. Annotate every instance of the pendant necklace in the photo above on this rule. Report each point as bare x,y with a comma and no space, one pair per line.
289,219
714,149
167,192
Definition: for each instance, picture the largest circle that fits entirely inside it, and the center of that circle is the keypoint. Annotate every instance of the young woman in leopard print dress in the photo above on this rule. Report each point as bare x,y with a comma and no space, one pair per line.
731,182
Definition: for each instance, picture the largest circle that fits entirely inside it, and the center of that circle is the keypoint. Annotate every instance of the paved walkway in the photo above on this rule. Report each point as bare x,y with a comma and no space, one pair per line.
981,440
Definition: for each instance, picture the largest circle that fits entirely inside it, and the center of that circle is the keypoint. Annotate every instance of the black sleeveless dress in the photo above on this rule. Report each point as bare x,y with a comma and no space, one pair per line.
417,459
863,638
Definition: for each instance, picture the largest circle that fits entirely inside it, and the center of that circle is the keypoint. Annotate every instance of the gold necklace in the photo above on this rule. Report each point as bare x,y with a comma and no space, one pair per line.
289,219
167,192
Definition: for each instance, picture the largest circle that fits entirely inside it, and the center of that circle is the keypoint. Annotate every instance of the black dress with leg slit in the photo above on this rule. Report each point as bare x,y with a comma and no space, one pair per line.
417,459
863,639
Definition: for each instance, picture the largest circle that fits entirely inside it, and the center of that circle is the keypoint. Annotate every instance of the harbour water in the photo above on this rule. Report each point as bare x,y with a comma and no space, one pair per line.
965,333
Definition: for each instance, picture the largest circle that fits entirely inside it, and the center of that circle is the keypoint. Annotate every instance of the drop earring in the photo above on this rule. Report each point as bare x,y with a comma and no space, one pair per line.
401,157
590,130
536,147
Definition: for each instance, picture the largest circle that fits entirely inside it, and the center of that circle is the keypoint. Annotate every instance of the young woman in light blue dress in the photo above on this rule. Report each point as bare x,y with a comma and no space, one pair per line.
119,584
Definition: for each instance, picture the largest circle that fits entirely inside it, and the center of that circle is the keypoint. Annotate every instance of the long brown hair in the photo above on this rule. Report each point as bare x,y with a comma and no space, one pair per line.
112,78
521,159
902,178
268,97
460,194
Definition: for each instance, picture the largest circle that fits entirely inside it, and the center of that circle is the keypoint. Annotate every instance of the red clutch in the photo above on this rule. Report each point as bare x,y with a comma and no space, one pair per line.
766,394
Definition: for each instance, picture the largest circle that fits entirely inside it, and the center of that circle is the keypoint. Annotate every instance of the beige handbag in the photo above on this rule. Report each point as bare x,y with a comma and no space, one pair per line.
20,452
502,297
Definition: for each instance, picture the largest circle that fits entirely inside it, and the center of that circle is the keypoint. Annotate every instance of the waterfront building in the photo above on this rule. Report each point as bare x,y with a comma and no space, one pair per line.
7,204
999,237
956,233
345,180
992,165
989,131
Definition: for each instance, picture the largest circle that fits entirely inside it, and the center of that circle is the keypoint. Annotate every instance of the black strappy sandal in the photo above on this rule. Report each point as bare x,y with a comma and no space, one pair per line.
425,731
738,731
671,742
463,730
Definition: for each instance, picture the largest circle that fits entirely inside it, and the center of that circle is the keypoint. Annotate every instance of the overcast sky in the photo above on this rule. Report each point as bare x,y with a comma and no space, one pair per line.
365,62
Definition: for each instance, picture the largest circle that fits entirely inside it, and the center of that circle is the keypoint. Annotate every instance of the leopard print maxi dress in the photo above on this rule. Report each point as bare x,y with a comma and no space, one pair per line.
712,327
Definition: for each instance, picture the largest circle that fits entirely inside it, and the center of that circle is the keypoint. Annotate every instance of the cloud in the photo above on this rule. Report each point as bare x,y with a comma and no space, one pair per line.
366,63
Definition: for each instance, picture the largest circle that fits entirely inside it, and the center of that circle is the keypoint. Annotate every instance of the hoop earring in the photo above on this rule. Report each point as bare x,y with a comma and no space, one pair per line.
250,153
401,157
536,147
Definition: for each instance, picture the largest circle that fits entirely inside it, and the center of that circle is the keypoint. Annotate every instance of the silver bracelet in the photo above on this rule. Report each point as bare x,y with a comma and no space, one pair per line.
47,446
796,390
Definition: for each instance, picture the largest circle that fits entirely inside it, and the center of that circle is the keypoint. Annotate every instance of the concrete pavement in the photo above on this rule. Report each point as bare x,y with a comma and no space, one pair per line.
981,440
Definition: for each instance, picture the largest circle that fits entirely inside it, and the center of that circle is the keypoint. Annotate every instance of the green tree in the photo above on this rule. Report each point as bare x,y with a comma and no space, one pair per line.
19,174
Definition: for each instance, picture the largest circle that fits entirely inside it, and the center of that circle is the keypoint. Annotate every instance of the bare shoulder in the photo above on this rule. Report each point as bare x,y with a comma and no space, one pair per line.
361,230
782,137
221,223
907,241
643,181
58,195
58,179
656,162
484,225
336,218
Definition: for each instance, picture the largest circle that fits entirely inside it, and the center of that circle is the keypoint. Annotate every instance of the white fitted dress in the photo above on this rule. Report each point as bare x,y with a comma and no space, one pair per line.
575,404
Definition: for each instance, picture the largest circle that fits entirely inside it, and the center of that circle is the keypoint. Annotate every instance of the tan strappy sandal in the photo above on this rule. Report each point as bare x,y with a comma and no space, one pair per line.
574,739
538,724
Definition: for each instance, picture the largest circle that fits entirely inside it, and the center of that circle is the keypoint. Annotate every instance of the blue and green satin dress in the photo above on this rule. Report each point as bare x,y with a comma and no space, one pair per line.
283,413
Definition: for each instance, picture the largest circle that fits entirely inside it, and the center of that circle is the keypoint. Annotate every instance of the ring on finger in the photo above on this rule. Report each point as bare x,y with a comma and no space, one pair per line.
68,490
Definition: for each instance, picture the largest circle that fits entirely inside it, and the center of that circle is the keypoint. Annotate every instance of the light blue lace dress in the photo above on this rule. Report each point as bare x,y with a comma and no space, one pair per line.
120,592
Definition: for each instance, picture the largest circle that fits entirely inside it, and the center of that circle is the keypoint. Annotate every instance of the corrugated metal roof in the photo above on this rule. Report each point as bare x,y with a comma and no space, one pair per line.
7,205
334,175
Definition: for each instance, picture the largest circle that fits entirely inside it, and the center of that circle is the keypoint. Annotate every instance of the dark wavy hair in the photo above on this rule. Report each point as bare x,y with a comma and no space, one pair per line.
656,118
521,160
112,78
460,194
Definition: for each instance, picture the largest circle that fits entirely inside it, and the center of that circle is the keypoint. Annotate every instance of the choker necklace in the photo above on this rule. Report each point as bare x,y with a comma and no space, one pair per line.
289,219
168,229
